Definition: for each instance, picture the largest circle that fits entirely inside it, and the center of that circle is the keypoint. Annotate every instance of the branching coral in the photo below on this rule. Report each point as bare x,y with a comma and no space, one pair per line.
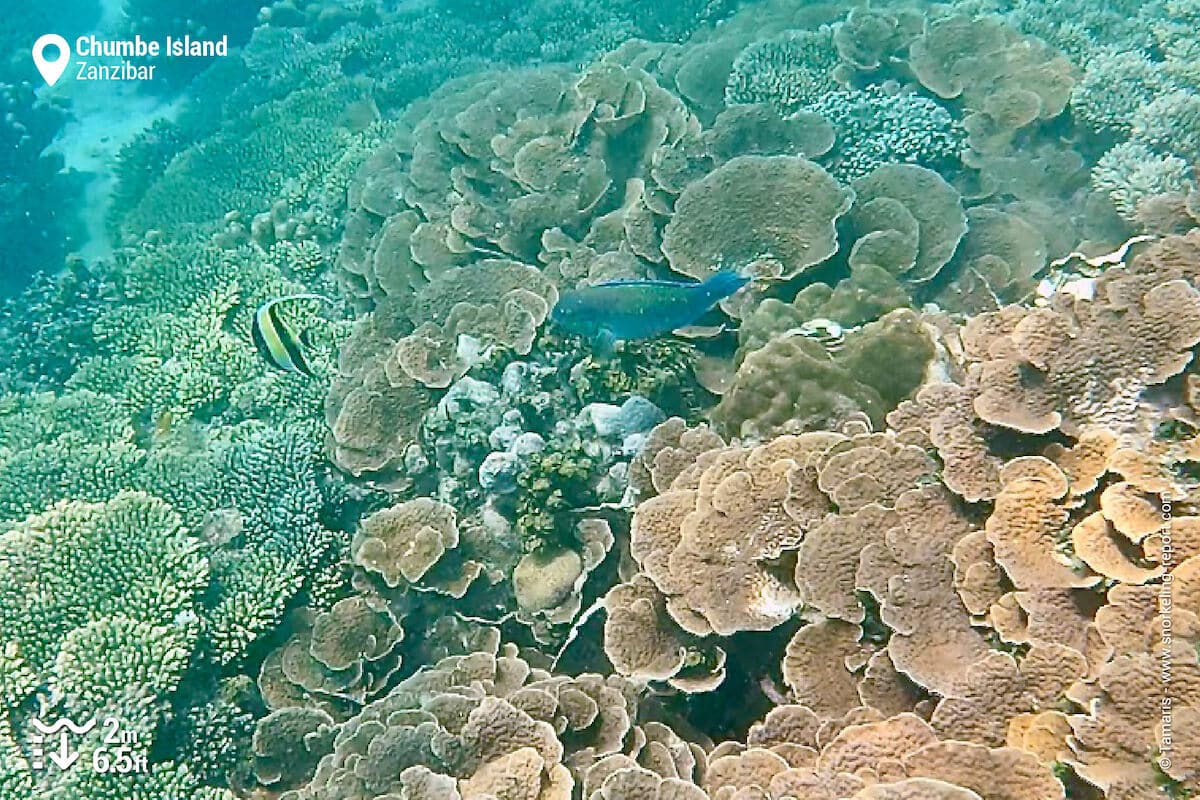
151,579
1114,83
1131,172
789,71
875,126
1169,123
122,645
49,326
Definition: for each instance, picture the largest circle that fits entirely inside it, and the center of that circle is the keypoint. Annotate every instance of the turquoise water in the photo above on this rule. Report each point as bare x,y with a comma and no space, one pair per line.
351,447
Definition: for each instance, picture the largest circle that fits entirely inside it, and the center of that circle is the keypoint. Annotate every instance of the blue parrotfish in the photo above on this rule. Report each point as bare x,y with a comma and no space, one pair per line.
640,309
275,340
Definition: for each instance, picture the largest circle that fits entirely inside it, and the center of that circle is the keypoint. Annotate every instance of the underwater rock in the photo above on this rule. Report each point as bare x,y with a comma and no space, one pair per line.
498,472
542,580
635,415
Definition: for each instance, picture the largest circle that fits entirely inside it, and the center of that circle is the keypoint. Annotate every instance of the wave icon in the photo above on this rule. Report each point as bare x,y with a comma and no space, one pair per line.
78,730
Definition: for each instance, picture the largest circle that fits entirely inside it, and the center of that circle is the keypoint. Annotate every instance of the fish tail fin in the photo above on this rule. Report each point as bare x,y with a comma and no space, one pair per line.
724,283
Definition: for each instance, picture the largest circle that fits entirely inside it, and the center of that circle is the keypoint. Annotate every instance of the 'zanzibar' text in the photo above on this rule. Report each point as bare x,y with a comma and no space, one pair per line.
125,71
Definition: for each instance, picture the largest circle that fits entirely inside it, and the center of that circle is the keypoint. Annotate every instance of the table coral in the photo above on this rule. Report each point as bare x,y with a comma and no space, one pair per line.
402,544
1006,80
870,39
1143,338
465,721
374,422
722,219
758,129
944,414
1001,255
907,219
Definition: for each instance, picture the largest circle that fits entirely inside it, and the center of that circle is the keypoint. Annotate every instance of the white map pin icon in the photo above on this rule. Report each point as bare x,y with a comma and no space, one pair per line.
51,70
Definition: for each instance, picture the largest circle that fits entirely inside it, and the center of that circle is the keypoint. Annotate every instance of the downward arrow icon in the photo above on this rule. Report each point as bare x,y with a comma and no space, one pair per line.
64,759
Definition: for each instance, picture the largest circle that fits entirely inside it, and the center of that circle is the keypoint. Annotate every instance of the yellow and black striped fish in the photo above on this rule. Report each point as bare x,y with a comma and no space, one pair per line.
276,340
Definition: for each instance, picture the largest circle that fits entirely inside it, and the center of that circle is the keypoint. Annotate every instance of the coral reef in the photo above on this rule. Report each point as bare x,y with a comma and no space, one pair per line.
794,383
1131,172
1113,83
876,127
790,71
48,327
916,513
722,219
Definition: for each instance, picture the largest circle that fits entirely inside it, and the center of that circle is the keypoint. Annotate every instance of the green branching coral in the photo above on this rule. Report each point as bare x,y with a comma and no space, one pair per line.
180,342
660,370
33,478
254,493
556,481
213,736
277,542
99,660
142,161
132,553
47,329
875,127
52,448
242,168
113,623
1077,26
789,71
75,418
170,780
182,363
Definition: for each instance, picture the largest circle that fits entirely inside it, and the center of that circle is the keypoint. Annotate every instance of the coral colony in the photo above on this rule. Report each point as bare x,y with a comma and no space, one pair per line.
905,505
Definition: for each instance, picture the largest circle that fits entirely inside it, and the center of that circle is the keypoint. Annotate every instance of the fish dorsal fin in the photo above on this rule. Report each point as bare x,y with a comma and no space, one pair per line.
646,282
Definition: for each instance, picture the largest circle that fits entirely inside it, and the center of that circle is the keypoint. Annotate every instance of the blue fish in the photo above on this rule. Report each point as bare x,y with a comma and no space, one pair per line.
640,309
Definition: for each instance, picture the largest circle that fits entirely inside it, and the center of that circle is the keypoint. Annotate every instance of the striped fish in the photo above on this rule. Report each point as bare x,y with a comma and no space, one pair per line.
274,338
